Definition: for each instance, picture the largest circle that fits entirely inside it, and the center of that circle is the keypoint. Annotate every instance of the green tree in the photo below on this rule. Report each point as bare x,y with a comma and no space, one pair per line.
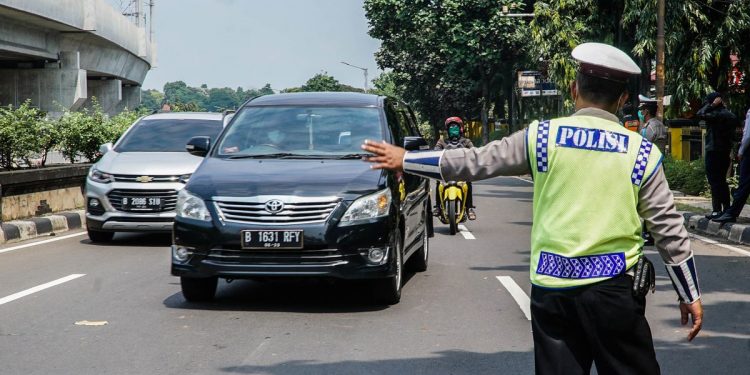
700,37
322,82
450,54
25,134
179,92
151,100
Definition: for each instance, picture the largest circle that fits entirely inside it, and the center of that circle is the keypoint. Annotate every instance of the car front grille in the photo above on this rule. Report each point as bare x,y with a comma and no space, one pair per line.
168,197
321,257
145,179
296,210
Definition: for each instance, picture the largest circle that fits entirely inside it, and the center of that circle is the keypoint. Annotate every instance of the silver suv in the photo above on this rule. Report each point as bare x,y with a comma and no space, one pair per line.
133,188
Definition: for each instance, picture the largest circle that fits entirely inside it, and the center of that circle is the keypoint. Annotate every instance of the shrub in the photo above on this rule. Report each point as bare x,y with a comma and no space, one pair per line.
688,177
81,133
25,134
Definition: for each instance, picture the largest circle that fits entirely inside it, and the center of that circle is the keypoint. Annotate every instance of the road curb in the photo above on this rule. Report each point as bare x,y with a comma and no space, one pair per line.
50,225
732,232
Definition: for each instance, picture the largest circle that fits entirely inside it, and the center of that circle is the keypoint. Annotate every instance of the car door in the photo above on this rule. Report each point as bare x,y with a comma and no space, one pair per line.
415,187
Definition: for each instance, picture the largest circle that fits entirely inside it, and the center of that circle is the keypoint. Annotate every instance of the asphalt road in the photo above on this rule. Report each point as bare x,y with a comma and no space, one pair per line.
456,318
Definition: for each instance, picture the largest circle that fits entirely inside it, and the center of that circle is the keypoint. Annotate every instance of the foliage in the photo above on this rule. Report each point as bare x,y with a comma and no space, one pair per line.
184,98
387,84
322,82
688,177
700,37
451,57
25,134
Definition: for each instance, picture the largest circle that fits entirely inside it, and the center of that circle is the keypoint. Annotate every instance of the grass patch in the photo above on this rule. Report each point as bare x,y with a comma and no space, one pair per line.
687,207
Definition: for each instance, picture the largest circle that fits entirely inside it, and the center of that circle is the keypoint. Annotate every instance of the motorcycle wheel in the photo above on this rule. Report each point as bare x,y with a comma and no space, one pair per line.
452,216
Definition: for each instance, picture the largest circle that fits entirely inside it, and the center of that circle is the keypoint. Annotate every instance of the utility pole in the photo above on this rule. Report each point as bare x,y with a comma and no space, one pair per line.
360,68
660,47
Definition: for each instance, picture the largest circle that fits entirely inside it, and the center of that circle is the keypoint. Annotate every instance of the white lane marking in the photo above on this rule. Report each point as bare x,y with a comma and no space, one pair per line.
518,294
523,179
466,233
19,247
725,246
39,288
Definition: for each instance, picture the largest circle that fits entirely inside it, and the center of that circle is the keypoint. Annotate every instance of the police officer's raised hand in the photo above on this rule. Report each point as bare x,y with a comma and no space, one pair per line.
387,156
695,310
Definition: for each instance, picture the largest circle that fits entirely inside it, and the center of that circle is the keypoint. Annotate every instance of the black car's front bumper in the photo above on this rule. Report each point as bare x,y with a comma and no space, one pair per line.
329,250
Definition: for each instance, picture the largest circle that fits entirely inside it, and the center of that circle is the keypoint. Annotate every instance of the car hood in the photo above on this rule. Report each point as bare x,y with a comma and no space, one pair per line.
148,163
347,179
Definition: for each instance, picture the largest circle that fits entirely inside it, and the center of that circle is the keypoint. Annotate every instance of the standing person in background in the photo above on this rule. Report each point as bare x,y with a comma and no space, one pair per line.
743,190
652,129
720,128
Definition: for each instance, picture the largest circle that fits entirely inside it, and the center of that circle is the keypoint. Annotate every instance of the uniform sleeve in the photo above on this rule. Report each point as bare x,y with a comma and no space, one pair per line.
506,157
656,207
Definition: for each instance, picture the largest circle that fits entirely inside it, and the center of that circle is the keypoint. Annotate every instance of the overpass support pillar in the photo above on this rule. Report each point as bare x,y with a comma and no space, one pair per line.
108,94
56,87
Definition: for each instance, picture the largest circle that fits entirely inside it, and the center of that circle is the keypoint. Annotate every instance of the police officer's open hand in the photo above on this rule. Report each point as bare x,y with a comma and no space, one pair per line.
386,156
695,310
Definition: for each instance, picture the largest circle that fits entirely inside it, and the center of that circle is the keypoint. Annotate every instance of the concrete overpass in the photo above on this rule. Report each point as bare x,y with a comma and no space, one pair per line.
62,53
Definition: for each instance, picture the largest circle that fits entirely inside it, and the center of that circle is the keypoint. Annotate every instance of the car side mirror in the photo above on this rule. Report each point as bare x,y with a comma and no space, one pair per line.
415,144
105,148
198,146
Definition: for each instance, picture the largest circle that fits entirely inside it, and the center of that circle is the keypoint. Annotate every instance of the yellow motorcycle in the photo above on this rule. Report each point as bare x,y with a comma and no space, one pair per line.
452,203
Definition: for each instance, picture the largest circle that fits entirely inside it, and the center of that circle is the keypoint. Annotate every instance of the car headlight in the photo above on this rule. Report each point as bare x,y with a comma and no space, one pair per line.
367,208
191,206
100,177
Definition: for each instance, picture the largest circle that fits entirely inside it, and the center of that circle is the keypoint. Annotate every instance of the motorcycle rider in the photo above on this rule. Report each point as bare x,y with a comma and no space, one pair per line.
454,128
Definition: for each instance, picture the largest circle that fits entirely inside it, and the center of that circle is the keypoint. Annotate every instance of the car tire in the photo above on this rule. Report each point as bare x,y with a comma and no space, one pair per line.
418,261
198,289
388,291
99,236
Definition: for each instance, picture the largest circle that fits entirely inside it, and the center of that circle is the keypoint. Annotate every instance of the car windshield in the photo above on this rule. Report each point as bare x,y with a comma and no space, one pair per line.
166,135
298,131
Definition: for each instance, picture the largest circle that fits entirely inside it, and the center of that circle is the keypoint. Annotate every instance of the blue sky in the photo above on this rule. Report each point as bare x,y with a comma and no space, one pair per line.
250,43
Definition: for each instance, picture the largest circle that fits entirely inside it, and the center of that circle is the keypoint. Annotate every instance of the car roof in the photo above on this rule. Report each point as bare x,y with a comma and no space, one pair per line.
347,99
185,116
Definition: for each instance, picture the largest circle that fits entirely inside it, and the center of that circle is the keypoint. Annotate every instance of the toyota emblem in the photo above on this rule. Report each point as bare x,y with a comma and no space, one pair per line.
274,206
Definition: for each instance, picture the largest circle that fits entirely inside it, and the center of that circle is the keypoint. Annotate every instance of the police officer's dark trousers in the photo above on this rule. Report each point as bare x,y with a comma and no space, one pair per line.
601,323
717,166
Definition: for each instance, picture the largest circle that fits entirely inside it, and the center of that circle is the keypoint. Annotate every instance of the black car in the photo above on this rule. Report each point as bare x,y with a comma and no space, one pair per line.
284,192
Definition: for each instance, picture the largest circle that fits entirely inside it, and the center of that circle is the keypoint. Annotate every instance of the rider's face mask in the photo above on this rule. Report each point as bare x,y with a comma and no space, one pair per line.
454,132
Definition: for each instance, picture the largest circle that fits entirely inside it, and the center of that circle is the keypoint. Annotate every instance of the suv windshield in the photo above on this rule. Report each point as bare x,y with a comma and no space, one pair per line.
166,135
298,131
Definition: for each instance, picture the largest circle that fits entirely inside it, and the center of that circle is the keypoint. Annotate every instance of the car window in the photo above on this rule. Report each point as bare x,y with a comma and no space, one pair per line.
300,130
394,123
166,135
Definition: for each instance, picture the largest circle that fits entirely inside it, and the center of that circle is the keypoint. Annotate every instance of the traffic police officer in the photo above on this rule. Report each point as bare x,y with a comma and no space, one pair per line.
592,182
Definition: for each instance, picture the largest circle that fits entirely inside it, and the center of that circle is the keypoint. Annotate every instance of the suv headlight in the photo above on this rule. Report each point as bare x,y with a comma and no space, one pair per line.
367,208
100,177
191,206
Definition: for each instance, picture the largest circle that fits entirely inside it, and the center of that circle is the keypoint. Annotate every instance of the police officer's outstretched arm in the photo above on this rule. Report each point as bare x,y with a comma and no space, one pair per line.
506,157
656,207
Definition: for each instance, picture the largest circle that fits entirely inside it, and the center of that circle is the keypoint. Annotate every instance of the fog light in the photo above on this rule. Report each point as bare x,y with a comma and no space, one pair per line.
181,254
93,202
377,255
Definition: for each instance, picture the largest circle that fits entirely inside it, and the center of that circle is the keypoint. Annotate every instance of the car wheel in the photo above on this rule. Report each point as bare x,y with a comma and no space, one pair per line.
198,289
99,236
418,260
388,291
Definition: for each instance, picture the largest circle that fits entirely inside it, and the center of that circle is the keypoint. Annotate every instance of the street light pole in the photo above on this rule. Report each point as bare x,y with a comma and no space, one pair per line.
360,68
660,47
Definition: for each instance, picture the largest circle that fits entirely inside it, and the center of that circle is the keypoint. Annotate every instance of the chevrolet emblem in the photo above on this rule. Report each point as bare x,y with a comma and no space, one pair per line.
144,179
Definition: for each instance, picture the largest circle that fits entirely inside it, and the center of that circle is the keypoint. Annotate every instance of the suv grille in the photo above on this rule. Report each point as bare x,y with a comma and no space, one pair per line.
135,178
322,257
296,210
168,198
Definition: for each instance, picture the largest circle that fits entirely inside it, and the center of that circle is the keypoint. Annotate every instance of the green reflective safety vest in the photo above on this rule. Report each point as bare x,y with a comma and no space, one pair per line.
587,174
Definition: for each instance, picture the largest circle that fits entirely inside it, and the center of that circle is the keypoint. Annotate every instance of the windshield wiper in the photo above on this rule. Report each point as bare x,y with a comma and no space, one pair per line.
353,156
263,156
